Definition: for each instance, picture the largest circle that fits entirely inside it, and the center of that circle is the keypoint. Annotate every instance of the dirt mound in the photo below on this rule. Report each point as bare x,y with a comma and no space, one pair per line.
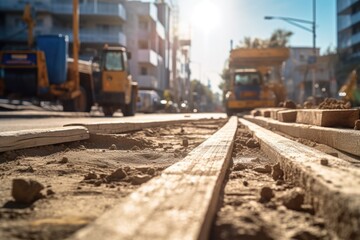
332,103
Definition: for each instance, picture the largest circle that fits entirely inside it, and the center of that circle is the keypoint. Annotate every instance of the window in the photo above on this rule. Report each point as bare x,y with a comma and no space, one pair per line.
143,44
143,25
143,71
247,79
113,61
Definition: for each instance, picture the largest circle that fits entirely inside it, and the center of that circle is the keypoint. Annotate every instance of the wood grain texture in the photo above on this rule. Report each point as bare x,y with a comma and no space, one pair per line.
113,128
346,140
328,117
334,189
34,138
287,115
179,204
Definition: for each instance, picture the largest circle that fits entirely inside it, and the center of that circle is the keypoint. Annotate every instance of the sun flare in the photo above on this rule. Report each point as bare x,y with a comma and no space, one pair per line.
206,16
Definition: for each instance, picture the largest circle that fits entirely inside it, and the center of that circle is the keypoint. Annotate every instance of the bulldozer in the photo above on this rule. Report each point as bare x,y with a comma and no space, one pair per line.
350,90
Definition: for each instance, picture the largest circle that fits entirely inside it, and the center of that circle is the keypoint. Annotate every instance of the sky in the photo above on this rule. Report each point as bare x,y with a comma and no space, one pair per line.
213,23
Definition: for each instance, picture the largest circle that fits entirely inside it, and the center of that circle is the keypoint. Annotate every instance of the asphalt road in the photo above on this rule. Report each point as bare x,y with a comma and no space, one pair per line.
21,120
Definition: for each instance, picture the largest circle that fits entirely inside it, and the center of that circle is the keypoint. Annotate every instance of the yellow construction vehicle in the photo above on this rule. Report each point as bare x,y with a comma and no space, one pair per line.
114,88
350,91
255,79
48,74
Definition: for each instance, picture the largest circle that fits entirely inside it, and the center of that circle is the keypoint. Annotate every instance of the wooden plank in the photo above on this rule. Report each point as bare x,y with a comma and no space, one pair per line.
334,189
328,117
346,140
287,115
33,138
122,127
274,112
179,204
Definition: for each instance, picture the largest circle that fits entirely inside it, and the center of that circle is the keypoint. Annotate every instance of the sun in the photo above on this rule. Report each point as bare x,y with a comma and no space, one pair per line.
205,16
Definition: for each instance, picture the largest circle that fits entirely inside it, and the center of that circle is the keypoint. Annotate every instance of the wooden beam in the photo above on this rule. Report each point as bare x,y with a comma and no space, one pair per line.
41,137
179,204
334,189
346,140
328,117
122,127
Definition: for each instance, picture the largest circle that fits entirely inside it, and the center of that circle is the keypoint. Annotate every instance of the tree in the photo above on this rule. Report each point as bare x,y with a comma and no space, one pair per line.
279,38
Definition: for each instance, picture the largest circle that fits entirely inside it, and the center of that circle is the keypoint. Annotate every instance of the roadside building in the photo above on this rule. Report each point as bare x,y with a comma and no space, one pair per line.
298,75
101,22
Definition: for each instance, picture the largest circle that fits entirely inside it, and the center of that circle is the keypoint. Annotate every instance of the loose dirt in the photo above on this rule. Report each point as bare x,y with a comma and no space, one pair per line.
81,180
259,204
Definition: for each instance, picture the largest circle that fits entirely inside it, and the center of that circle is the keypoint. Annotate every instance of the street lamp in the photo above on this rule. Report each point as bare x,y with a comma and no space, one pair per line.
298,23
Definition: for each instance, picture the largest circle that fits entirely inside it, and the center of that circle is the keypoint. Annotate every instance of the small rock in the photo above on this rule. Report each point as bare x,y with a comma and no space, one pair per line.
50,192
308,104
112,147
82,147
293,199
266,194
245,183
252,143
103,150
140,179
151,171
64,160
277,173
289,104
97,183
324,162
117,175
185,142
280,182
135,148
239,167
90,175
182,130
266,169
26,190
27,169
357,125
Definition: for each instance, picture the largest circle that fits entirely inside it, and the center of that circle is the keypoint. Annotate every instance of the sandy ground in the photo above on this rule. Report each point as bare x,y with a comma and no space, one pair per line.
81,180
258,204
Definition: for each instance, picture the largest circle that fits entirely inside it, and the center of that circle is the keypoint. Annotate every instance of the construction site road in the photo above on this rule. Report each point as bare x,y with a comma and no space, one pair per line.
215,178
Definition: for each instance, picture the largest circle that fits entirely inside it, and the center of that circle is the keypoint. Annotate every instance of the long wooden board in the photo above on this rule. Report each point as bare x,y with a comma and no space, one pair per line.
334,189
328,117
34,138
346,140
179,204
122,127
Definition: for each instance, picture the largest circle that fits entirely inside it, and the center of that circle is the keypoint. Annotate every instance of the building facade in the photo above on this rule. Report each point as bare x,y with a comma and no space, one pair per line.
348,27
101,22
298,75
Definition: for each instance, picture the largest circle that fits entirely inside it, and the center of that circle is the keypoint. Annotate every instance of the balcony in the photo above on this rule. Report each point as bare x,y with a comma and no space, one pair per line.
18,5
160,30
344,4
146,81
100,9
148,56
346,21
147,10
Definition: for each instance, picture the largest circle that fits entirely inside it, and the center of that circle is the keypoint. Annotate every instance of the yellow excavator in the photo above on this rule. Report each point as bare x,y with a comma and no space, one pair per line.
46,74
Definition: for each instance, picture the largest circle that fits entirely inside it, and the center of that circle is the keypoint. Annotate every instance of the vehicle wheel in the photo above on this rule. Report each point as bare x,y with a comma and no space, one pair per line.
79,104
130,109
229,112
108,111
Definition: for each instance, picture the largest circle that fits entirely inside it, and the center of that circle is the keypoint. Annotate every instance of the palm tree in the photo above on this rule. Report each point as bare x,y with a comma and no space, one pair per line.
279,38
